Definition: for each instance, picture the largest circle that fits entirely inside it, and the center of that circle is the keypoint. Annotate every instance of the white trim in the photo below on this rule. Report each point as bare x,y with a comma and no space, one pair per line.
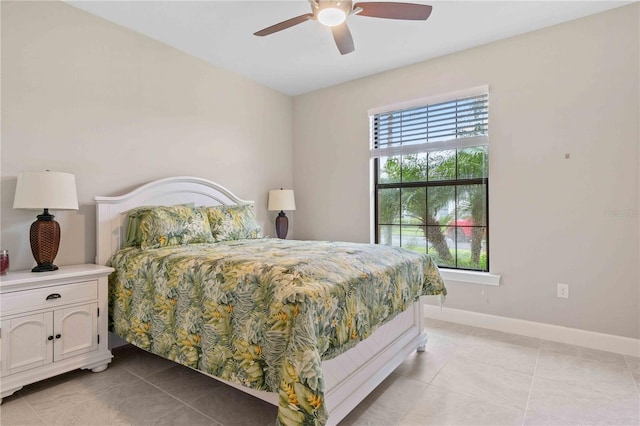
372,202
430,100
573,336
155,186
469,277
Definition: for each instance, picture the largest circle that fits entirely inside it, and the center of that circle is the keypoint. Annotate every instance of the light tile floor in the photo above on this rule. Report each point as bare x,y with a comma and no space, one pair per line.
468,376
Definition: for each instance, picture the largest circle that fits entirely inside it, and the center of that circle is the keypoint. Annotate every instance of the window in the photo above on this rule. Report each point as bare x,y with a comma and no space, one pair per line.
431,179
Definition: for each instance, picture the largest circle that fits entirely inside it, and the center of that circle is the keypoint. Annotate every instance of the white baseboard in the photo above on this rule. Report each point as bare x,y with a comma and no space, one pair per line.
556,333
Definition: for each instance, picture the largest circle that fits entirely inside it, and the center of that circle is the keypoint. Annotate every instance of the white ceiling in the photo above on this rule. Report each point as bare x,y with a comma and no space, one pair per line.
304,58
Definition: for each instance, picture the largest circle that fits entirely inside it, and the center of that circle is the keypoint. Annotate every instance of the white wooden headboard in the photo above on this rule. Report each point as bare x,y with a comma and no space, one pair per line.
111,211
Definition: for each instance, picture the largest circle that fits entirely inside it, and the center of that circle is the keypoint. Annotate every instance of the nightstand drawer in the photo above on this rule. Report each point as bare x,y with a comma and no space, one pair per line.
48,297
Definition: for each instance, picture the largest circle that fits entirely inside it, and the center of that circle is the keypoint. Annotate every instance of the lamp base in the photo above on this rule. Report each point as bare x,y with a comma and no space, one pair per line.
45,240
282,225
45,267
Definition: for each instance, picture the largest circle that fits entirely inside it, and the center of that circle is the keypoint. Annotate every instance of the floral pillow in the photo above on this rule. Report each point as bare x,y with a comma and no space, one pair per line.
163,226
233,222
133,237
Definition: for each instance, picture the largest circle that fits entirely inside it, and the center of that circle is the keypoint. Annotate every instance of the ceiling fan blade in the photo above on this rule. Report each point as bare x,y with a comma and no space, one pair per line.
342,36
284,25
389,10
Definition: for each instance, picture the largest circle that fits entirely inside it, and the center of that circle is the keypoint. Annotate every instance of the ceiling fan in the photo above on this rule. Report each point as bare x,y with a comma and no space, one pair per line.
334,13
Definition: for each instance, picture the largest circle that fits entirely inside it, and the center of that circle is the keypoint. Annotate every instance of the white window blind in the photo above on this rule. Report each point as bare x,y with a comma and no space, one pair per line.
457,123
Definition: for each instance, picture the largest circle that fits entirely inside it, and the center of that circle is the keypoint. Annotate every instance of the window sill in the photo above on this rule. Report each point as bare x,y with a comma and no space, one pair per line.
469,277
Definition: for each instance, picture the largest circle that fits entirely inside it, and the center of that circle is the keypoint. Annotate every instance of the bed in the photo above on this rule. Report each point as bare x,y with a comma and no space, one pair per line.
307,351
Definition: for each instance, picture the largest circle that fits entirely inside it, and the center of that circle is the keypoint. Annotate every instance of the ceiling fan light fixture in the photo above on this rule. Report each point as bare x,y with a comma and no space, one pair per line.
331,16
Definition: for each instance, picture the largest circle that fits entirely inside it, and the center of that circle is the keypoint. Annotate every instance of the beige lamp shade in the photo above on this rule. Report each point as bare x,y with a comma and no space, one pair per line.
46,190
281,199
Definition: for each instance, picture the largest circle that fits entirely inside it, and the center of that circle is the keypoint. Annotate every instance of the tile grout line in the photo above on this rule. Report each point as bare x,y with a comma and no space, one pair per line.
440,369
488,365
33,409
198,411
408,409
533,379
444,363
173,396
626,361
451,355
495,404
217,423
497,366
580,358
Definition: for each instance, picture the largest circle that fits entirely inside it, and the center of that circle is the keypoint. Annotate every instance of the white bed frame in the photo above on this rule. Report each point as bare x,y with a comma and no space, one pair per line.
350,377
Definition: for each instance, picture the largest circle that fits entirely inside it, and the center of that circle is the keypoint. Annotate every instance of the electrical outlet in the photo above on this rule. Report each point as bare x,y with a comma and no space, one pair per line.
563,290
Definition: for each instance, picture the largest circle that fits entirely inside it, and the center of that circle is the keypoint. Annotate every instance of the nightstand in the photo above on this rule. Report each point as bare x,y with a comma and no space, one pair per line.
51,323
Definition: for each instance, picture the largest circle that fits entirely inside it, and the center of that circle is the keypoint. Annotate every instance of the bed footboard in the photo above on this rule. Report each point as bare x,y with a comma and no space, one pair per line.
353,375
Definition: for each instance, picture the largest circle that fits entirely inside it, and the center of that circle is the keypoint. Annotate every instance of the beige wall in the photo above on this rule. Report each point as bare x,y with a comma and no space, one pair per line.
572,88
118,109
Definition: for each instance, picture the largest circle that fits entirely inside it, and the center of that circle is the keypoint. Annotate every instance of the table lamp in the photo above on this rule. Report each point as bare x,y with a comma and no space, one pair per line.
45,190
281,199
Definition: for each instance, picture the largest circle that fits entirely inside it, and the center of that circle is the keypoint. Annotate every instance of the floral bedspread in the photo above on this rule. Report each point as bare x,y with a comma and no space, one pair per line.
264,312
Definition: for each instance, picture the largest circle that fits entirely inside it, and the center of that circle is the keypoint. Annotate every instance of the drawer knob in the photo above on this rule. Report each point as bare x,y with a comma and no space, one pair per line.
53,296
50,338
58,336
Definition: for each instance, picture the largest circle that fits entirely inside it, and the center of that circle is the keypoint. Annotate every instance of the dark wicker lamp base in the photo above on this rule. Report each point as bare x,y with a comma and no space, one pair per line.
282,225
45,240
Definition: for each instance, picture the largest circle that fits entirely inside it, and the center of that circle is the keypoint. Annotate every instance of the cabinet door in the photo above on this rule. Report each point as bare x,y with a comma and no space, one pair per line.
26,342
77,328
